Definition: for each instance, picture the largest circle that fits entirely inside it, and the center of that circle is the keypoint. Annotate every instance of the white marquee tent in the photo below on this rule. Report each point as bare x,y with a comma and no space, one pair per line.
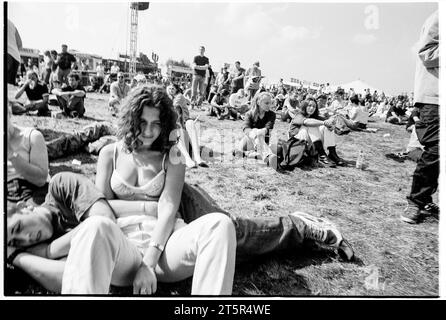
358,85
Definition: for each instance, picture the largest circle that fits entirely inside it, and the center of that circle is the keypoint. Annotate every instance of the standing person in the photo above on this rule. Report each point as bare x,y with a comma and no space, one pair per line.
237,80
13,57
425,177
252,80
65,62
114,71
54,69
47,68
71,98
118,92
210,80
199,66
100,74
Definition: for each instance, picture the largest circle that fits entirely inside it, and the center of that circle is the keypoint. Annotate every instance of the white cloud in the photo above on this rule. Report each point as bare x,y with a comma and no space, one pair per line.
299,33
364,39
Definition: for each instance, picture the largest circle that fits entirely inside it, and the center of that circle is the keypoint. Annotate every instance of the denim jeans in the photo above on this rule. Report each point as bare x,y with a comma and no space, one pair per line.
425,177
198,87
255,236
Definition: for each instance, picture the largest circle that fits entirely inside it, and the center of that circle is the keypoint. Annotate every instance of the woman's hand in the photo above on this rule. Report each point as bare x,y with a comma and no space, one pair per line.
145,280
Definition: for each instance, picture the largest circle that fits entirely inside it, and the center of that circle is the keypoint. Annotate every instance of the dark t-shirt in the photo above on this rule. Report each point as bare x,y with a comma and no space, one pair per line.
398,111
65,60
266,122
238,83
37,92
200,61
69,196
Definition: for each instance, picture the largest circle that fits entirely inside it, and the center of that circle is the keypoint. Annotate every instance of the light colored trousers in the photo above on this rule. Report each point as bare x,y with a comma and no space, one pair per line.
101,255
258,144
321,133
198,86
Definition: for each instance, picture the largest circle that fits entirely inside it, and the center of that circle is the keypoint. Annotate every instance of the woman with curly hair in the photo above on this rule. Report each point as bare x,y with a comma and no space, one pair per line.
144,165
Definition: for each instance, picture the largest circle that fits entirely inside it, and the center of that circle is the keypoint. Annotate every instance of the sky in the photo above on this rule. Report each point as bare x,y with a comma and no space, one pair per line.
320,42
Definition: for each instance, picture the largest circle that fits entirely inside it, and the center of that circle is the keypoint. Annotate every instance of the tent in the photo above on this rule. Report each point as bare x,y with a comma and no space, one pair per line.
358,85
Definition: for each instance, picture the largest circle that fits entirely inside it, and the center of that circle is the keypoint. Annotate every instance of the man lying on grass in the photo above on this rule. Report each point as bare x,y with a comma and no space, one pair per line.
44,234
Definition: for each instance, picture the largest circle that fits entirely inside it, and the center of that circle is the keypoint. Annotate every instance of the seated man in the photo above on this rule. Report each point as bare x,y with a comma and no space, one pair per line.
71,97
290,106
219,105
397,114
238,104
118,91
37,94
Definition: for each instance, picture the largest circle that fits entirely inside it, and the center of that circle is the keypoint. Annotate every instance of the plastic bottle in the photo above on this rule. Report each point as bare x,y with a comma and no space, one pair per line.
360,160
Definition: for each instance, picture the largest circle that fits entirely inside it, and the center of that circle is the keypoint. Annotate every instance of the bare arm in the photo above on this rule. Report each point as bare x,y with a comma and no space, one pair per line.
168,205
125,208
309,122
104,170
35,171
45,271
21,90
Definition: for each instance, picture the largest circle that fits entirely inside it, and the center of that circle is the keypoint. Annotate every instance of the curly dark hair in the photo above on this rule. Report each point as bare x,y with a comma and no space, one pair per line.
304,107
130,118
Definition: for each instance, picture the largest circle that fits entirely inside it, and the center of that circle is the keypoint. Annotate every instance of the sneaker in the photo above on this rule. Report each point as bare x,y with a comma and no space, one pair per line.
334,157
323,232
430,209
411,213
326,162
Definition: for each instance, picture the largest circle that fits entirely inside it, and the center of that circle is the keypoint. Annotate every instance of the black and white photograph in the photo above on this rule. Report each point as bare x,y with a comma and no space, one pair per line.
221,149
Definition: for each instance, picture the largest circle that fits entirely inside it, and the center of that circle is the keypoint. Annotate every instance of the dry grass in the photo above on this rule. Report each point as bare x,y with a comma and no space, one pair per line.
393,258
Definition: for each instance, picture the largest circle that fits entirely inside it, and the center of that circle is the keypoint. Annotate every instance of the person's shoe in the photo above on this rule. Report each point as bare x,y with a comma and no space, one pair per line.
334,157
430,209
326,162
323,232
74,114
203,164
411,213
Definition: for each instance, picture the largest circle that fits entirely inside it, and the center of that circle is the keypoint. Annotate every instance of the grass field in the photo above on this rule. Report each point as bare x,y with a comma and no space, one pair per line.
392,258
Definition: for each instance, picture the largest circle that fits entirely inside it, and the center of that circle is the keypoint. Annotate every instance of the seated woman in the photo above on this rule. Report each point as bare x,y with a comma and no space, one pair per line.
259,122
144,187
358,113
308,125
220,105
189,129
27,164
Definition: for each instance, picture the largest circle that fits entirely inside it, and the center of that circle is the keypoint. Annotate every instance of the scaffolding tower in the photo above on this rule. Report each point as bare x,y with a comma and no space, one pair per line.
134,8
133,39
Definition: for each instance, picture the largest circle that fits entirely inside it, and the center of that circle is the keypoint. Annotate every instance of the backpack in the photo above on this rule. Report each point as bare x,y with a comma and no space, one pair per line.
295,153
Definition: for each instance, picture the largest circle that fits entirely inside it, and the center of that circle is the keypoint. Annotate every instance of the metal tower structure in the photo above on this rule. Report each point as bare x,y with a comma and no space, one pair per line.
134,8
